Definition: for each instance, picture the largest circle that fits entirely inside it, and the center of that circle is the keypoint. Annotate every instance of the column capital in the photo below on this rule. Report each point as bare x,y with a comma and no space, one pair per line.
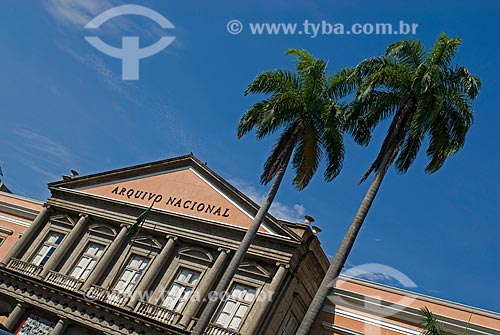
49,208
62,318
21,303
84,215
172,237
60,327
284,265
222,249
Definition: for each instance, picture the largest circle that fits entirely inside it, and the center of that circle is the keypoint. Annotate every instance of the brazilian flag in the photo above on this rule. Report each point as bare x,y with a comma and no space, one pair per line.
138,222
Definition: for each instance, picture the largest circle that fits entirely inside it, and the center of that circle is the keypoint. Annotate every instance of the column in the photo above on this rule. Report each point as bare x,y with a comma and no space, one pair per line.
27,238
263,304
153,271
60,327
66,245
106,259
15,317
204,288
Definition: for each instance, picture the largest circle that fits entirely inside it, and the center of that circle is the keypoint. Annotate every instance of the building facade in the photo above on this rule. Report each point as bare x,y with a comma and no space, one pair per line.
16,214
80,270
360,307
77,270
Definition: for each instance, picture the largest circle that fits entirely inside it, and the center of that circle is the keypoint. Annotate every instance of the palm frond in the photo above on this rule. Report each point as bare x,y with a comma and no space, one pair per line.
342,83
251,118
306,157
409,52
429,324
331,140
273,82
409,151
278,155
443,51
462,80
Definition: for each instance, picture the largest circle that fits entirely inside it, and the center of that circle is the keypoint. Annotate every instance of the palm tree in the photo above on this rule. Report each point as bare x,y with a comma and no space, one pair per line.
425,96
429,324
302,103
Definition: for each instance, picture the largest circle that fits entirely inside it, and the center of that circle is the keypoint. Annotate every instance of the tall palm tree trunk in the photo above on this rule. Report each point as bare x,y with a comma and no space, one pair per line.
390,148
343,251
240,253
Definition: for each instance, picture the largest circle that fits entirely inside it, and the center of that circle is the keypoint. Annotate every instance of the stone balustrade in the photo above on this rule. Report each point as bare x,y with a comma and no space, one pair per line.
214,329
158,313
114,298
64,281
24,267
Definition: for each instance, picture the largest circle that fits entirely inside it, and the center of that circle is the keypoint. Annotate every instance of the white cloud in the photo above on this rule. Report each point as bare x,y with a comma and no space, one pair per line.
37,168
42,154
76,13
43,144
293,213
111,79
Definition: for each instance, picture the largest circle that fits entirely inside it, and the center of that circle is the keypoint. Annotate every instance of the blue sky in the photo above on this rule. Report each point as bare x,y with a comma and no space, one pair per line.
64,106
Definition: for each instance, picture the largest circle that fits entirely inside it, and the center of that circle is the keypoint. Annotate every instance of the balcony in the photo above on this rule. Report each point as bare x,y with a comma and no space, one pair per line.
24,267
214,329
158,313
114,298
63,281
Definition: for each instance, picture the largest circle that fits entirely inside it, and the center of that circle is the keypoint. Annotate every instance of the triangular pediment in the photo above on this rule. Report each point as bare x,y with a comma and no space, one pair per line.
182,191
182,186
254,268
64,219
148,241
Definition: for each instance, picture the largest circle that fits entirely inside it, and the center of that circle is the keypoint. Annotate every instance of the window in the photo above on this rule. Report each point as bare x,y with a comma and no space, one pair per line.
236,306
87,261
47,249
289,326
34,324
131,274
1,240
181,289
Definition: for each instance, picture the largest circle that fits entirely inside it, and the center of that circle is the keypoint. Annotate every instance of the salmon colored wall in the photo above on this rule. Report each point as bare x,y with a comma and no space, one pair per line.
20,201
416,301
182,184
10,240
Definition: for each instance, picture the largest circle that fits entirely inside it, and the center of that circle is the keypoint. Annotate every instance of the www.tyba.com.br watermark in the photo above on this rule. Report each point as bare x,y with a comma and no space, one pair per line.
323,28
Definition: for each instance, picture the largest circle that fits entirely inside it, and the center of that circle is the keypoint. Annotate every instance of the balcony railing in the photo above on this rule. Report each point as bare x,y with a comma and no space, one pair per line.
111,297
24,267
66,282
159,313
214,329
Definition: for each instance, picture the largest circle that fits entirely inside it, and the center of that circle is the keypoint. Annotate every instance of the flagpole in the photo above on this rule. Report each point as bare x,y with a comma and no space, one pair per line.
131,242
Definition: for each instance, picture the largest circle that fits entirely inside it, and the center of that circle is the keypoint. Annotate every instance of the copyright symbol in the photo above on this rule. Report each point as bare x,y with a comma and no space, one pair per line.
234,27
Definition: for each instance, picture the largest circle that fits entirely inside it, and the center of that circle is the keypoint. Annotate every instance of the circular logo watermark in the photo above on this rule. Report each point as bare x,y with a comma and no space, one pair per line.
130,53
376,303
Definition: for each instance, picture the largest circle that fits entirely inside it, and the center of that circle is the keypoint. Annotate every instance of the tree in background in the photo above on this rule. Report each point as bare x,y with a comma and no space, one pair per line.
429,324
426,97
301,104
